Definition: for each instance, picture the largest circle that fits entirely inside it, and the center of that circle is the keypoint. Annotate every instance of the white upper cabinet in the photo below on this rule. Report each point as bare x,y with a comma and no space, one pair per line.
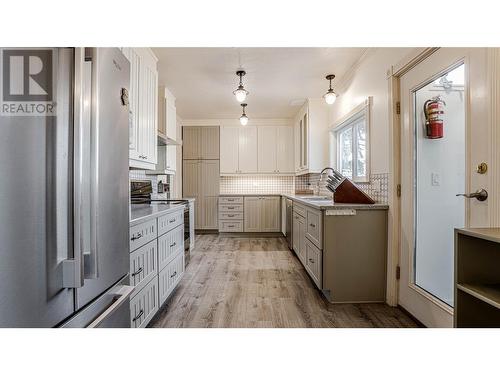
275,149
256,150
143,96
247,153
238,149
267,150
311,137
229,141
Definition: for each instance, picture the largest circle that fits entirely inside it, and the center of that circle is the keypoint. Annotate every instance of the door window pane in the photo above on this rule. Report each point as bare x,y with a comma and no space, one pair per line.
439,176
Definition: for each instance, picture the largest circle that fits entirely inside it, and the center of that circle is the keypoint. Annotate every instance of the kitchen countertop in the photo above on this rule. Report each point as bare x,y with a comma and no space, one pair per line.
320,205
140,213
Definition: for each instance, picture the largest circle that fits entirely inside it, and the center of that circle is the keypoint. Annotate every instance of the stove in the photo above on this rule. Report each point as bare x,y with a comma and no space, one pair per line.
140,193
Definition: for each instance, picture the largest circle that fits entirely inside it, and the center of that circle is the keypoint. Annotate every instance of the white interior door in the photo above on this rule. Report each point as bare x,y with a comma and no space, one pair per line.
433,171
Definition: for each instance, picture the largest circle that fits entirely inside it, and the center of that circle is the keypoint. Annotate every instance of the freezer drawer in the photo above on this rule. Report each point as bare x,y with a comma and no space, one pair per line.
141,234
170,276
143,265
170,245
110,310
144,305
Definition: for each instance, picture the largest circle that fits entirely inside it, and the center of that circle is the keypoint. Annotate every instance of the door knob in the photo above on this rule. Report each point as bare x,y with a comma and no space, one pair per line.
481,195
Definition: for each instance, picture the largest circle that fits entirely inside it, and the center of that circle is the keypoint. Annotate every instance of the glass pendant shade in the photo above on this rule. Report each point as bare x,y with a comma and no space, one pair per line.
330,97
240,94
243,119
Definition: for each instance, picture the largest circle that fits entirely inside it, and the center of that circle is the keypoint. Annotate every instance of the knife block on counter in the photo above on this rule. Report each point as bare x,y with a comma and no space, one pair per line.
344,191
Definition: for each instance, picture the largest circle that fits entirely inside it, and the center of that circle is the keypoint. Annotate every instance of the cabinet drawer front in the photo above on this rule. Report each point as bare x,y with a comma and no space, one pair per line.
170,276
144,305
170,221
298,209
314,259
231,200
231,216
230,208
143,265
170,245
313,227
141,234
230,226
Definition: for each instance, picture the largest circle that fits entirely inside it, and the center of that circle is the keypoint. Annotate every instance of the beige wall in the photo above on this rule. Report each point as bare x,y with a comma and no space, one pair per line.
370,79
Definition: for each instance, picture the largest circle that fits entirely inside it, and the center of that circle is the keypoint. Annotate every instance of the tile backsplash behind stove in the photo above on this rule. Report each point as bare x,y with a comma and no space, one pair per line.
138,174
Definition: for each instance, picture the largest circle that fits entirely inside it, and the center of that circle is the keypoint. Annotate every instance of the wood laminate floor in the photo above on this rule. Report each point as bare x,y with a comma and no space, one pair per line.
258,282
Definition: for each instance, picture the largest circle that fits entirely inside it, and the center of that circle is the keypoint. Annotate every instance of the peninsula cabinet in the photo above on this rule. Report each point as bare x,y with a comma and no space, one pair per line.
311,137
143,99
275,149
262,214
238,154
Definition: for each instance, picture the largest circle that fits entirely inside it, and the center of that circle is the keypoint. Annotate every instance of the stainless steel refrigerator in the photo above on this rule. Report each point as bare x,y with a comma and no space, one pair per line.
64,214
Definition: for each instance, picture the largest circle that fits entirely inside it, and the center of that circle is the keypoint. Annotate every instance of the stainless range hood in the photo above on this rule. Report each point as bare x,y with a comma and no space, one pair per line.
163,141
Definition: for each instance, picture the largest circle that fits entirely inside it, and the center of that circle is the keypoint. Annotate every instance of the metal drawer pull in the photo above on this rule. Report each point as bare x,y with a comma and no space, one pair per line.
310,260
136,237
171,221
230,226
175,273
175,243
230,215
137,272
230,200
138,315
230,208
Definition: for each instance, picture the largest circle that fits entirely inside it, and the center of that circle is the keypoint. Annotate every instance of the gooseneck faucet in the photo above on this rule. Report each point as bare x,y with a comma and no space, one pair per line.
321,176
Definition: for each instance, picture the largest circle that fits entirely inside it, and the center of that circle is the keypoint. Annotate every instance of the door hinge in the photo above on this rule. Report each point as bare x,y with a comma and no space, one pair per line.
398,190
398,108
398,272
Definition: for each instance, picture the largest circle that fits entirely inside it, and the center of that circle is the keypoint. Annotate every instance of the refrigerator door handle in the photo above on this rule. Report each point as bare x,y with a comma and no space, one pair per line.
73,268
122,295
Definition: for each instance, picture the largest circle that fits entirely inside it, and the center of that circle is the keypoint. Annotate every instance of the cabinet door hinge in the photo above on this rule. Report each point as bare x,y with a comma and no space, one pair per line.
398,108
398,190
398,272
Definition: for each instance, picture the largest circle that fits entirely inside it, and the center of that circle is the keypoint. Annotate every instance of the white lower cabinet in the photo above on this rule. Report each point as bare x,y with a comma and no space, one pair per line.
169,245
170,276
157,266
144,265
144,305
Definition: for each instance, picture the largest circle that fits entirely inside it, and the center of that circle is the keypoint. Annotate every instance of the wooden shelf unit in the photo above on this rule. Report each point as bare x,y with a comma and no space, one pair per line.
477,278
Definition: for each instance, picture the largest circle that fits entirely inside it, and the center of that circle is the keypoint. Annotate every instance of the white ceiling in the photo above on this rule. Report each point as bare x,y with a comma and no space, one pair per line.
278,79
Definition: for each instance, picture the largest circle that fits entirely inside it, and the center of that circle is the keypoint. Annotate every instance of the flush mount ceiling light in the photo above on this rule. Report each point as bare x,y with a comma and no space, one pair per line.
240,93
330,95
243,117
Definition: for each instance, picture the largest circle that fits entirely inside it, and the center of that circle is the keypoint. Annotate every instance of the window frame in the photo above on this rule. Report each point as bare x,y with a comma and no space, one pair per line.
349,120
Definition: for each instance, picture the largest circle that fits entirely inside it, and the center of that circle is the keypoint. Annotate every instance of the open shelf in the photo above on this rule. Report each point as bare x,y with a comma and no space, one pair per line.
486,293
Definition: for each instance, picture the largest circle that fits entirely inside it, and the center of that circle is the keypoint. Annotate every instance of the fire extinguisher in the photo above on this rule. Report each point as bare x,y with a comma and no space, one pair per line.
434,111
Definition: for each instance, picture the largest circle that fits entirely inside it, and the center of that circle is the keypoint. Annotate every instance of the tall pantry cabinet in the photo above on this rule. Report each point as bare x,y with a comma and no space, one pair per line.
200,177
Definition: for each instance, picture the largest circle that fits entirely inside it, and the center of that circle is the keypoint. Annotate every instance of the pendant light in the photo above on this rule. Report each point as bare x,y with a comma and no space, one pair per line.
240,93
243,117
330,95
